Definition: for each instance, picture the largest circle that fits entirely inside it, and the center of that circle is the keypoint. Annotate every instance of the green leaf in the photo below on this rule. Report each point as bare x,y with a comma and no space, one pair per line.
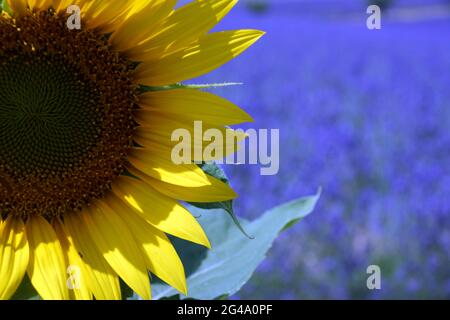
5,7
127,292
26,291
214,170
223,270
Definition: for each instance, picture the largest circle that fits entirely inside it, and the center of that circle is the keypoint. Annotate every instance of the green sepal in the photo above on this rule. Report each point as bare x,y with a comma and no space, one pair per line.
214,170
4,6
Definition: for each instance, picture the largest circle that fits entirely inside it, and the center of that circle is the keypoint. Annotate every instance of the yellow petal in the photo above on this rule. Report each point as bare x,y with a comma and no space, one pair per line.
106,15
152,163
39,4
165,131
160,211
192,105
47,268
215,192
75,266
18,6
140,25
208,53
14,256
113,238
182,27
62,5
102,280
161,257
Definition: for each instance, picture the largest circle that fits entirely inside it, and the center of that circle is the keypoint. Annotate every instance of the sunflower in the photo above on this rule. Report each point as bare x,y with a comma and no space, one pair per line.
88,191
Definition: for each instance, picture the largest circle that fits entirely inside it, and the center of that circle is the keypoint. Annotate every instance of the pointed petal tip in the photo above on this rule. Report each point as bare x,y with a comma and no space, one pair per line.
206,243
184,289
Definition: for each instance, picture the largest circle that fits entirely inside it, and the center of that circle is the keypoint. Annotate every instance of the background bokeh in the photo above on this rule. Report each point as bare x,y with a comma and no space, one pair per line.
364,114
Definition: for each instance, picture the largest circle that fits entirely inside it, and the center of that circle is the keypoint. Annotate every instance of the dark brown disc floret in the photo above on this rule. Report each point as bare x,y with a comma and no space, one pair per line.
66,115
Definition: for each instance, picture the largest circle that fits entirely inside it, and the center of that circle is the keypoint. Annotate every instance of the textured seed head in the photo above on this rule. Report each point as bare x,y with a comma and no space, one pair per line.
66,115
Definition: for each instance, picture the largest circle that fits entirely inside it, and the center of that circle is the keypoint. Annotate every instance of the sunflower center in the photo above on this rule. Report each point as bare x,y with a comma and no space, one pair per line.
48,116
66,115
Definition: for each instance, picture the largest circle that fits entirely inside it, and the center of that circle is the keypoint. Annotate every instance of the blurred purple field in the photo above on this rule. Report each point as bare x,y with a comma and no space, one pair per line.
365,115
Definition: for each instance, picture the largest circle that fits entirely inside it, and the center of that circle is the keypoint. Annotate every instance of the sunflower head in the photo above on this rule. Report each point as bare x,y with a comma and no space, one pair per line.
86,116
66,108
